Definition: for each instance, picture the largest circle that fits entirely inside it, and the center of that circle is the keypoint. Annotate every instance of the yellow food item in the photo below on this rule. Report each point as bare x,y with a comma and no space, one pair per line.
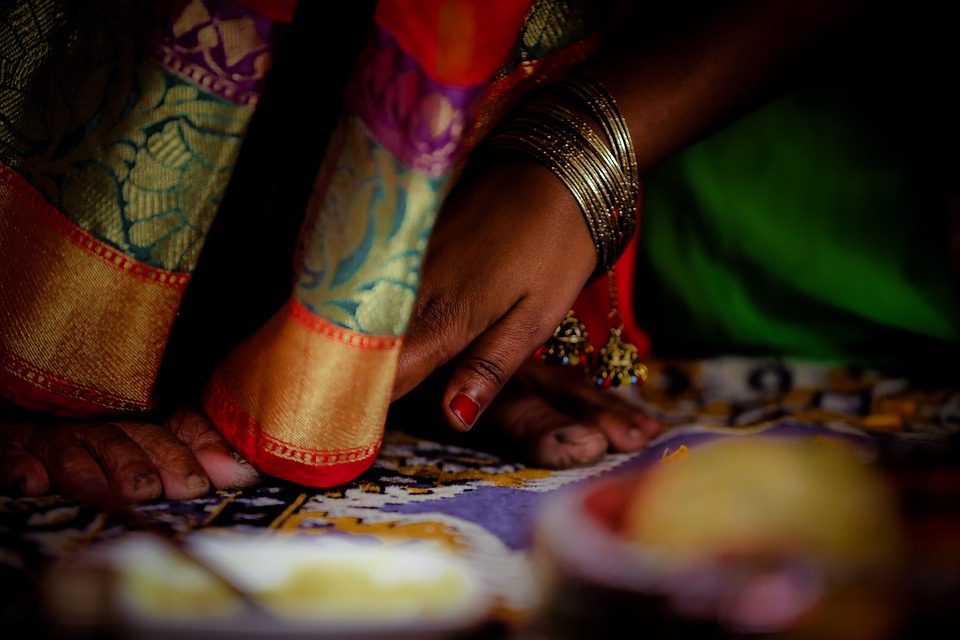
328,590
755,497
178,588
354,585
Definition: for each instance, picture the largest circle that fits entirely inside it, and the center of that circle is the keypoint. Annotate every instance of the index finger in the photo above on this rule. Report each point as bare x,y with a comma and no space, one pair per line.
439,330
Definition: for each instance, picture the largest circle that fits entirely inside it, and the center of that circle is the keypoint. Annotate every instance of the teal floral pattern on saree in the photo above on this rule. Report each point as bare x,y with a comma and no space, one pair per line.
365,235
132,154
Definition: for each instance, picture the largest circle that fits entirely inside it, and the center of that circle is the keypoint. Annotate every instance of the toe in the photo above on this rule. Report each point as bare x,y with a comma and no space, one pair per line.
126,465
647,425
224,467
183,477
21,474
72,470
548,437
571,446
626,428
619,427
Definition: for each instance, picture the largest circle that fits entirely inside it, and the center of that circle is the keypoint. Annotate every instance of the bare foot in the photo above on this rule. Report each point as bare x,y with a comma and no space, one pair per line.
106,461
557,419
546,416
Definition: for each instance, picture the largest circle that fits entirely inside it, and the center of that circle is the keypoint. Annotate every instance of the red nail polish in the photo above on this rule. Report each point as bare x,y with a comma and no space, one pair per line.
465,408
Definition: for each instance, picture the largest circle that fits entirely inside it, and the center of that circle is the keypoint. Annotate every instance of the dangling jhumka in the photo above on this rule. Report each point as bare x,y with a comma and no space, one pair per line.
619,362
569,345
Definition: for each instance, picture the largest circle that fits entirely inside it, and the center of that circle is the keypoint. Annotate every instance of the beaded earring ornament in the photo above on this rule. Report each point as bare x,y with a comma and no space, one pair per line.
619,363
569,346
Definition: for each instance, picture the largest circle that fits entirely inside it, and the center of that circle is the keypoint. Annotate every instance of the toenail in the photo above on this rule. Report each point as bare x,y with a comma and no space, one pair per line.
574,435
634,433
465,408
196,482
145,479
649,425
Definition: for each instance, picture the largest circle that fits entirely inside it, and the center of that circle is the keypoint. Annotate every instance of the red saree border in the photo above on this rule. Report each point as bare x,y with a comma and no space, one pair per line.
327,329
503,92
281,11
593,307
455,42
33,388
546,66
312,467
623,273
65,227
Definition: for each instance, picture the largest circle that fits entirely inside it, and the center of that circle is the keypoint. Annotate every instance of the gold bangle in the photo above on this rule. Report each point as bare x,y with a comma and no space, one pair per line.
600,174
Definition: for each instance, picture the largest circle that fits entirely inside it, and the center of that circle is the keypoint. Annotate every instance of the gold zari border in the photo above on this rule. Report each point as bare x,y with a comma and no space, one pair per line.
75,311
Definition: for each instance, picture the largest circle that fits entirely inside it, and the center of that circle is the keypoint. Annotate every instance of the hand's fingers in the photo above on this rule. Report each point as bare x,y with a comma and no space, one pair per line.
222,465
438,331
71,468
182,475
21,473
486,365
126,465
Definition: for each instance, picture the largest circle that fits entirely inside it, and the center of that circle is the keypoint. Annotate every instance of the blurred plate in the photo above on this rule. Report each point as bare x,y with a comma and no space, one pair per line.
141,587
597,583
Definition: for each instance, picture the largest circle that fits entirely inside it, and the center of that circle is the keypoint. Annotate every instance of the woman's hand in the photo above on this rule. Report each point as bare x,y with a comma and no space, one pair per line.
508,256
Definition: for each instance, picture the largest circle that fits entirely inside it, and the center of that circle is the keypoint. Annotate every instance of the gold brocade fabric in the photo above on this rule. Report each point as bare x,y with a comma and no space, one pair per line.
111,170
311,391
135,156
116,147
61,295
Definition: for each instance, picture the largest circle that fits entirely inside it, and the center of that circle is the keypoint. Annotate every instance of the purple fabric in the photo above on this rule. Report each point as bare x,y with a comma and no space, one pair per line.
505,512
219,45
421,121
510,513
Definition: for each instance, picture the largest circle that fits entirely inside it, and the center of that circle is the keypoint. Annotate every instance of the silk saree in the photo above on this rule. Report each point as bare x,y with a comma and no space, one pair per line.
119,130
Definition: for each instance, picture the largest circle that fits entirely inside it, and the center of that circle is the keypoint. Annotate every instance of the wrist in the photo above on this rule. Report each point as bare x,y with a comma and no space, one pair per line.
599,171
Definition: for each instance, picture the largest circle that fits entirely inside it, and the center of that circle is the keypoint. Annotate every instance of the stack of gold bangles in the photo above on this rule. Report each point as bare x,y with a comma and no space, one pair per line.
601,175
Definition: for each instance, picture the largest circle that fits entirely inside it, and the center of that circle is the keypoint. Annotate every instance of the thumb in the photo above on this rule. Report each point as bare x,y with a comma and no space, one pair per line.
485,366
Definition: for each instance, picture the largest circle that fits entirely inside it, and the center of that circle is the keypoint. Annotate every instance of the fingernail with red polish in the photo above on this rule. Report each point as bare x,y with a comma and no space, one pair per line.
465,408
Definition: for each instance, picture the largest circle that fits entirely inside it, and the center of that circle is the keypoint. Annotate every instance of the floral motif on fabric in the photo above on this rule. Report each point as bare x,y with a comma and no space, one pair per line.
135,156
420,120
365,235
221,46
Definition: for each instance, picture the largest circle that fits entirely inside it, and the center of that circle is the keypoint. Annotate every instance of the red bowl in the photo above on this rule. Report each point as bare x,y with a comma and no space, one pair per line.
596,583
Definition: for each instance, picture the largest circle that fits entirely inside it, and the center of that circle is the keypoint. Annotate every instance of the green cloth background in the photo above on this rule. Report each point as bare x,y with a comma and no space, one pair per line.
811,227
